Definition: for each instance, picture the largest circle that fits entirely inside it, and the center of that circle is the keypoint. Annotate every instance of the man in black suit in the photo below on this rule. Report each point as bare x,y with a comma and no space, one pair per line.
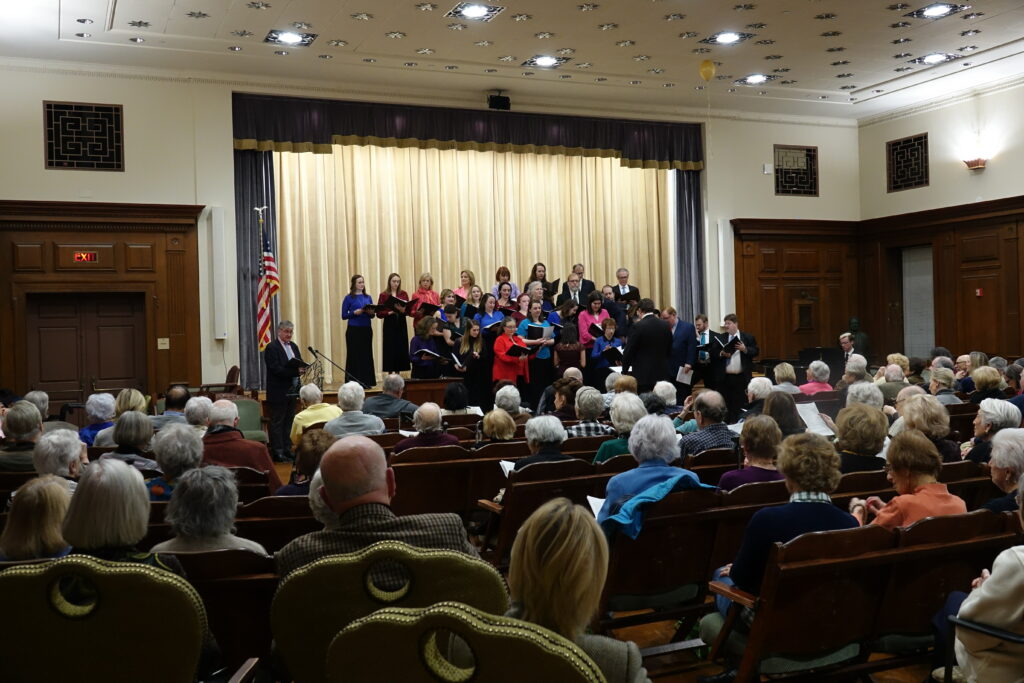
625,291
578,284
684,351
735,365
648,348
282,388
704,369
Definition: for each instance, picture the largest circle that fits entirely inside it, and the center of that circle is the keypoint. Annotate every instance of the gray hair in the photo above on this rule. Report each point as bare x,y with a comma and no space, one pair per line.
758,387
711,406
626,411
508,399
56,451
223,412
535,283
573,373
666,391
22,421
40,399
351,396
867,393
589,403
427,418
197,410
286,325
999,414
99,407
1008,450
943,377
942,362
856,362
893,373
393,384
622,270
999,363
203,503
311,394
819,371
321,512
546,430
177,448
110,508
133,429
610,380
653,436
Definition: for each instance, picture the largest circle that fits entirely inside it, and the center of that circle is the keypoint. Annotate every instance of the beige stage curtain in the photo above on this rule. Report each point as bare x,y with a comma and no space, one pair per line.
375,210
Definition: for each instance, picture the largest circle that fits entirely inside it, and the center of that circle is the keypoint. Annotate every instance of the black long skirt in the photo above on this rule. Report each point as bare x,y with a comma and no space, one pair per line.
396,344
359,356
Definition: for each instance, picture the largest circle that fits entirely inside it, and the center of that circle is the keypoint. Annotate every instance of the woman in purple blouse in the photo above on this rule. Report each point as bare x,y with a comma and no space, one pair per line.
760,441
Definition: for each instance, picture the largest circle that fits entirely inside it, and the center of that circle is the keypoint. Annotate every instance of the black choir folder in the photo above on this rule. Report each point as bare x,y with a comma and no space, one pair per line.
494,327
730,347
595,330
428,308
534,331
296,364
518,351
613,354
393,302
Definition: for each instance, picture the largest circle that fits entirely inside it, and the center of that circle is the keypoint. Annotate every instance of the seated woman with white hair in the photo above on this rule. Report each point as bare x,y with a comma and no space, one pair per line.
589,406
544,437
197,414
1006,469
626,410
127,399
132,434
109,515
609,388
666,391
509,399
202,513
61,454
993,414
177,448
758,390
653,443
817,378
99,410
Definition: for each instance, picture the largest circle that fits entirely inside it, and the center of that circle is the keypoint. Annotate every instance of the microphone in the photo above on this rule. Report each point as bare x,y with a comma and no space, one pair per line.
311,350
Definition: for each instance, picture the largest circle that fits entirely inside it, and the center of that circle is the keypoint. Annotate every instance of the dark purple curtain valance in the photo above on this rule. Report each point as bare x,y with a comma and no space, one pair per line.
292,124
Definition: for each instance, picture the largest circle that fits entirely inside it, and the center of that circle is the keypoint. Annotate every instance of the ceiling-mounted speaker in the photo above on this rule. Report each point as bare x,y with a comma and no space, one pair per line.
499,102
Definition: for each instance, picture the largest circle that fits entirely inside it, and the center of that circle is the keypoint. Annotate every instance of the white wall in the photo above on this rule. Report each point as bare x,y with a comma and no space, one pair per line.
736,187
990,121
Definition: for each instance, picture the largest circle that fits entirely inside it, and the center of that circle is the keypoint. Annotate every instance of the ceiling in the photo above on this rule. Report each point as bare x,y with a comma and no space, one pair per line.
825,57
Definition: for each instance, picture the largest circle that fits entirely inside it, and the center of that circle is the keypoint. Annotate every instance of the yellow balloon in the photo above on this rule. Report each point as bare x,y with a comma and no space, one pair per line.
707,70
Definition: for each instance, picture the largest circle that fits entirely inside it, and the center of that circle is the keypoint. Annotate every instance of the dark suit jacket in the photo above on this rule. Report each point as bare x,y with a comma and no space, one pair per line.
586,287
279,375
746,358
634,293
684,348
229,449
647,350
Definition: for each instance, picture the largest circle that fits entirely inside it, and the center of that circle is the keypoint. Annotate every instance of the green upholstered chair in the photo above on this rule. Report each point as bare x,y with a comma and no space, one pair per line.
315,602
408,644
83,619
250,419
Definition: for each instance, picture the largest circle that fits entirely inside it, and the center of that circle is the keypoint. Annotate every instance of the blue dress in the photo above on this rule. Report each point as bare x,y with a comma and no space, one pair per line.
358,340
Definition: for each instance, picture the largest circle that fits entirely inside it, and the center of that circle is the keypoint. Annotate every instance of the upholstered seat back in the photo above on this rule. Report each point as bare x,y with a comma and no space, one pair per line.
83,619
315,602
410,645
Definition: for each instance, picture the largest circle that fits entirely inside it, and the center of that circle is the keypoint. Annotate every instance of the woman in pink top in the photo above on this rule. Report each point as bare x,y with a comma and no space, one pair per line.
466,279
817,378
592,315
913,469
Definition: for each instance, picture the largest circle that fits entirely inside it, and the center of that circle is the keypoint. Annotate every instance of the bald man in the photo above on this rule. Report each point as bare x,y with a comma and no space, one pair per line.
427,421
358,488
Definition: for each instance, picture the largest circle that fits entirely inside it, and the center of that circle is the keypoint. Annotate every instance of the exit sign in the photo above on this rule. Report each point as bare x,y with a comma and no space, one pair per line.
86,256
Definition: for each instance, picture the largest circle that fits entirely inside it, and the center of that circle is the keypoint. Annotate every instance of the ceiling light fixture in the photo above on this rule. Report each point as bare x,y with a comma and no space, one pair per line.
475,11
727,38
937,10
754,79
235,48
545,61
290,38
935,58
137,40
83,35
84,21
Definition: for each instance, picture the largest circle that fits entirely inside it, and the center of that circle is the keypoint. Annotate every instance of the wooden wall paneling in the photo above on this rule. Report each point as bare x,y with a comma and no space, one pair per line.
1010,314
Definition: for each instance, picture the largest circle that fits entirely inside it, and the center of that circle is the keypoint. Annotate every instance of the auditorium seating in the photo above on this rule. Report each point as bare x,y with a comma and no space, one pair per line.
711,464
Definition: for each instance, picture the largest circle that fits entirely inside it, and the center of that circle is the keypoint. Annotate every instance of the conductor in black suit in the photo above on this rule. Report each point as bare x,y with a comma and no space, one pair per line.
648,348
735,366
582,287
282,386
625,291
684,351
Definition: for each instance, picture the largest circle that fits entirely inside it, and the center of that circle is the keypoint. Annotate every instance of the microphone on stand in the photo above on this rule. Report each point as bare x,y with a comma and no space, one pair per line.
318,354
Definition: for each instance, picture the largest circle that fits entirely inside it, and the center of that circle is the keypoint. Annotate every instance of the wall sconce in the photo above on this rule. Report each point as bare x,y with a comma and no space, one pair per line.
975,164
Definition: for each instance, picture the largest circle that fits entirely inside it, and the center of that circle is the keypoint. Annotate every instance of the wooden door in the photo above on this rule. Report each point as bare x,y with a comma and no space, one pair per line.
79,344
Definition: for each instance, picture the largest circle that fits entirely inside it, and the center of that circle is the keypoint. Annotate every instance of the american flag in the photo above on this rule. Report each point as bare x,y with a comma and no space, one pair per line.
270,283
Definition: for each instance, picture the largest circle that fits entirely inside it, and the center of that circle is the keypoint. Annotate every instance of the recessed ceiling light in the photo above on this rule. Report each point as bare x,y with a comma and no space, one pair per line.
258,4
394,35
625,43
727,38
326,56
635,82
900,24
773,57
762,92
901,55
522,17
139,23
698,87
971,32
450,67
973,15
196,14
841,62
700,50
600,79
565,76
744,7
84,21
756,27
965,64
689,34
675,16
505,58
788,81
483,43
608,27
137,39
235,48
337,43
766,41
898,6
822,97
361,16
903,68
831,34
656,70
486,71
83,35
584,65
843,75
900,41
425,51
281,53
781,70
243,33
473,11
878,90
425,7
457,27
369,60
411,64
753,79
546,61
292,38
565,51
641,58
937,10
934,58
668,85
587,7
825,17
543,35
835,49
731,90
527,73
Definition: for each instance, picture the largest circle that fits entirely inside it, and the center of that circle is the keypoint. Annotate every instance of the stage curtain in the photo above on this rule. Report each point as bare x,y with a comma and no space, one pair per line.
375,210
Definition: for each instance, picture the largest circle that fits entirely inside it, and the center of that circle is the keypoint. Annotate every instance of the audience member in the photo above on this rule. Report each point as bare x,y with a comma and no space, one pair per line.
311,448
710,411
757,391
893,359
175,400
782,408
626,410
99,411
895,411
224,445
544,437
915,371
785,379
1006,468
759,441
508,399
427,422
127,399
894,381
23,425
358,487
860,435
388,403
556,576
913,470
993,415
1012,376
132,433
202,513
667,392
986,381
197,414
975,360
33,527
314,410
177,448
817,378
353,420
625,384
609,388
61,454
925,414
109,514
652,403
41,400
866,393
941,386
589,406
565,397
497,427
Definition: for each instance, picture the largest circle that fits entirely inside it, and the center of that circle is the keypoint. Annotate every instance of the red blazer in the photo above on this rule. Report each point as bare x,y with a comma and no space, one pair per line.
385,312
506,366
229,449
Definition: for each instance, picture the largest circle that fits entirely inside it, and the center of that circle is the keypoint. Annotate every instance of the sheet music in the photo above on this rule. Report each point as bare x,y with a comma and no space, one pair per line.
595,504
736,428
507,466
809,414
684,376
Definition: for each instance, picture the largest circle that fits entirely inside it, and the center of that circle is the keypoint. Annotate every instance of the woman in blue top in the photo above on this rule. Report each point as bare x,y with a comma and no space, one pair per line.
488,315
541,369
359,335
599,366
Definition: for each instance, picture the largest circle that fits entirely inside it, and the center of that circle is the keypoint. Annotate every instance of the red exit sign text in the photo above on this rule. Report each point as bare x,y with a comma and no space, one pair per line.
86,257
